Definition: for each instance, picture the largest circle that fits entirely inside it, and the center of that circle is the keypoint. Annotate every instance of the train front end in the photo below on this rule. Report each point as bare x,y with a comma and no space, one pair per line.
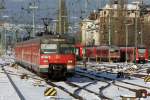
57,59
141,55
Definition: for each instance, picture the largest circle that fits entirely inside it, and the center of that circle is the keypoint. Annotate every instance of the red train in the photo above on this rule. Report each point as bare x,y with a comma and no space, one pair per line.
115,54
142,55
51,55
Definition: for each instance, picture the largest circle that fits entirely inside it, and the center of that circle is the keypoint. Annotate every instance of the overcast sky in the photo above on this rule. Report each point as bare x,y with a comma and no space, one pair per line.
49,8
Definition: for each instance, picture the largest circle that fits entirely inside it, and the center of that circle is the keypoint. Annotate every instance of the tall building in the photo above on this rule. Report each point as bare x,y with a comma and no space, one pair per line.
112,24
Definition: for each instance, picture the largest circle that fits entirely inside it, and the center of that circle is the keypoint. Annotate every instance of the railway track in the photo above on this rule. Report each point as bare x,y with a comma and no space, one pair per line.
65,90
84,88
53,84
107,80
8,73
75,95
13,84
134,75
109,83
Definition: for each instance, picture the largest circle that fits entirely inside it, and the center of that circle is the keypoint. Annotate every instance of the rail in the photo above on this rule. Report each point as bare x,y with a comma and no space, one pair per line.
13,84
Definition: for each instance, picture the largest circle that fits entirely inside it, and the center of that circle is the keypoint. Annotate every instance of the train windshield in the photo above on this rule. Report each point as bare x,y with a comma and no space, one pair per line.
141,50
48,48
66,48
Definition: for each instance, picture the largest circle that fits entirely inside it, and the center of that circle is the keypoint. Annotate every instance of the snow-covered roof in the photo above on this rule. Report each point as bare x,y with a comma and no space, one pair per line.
129,6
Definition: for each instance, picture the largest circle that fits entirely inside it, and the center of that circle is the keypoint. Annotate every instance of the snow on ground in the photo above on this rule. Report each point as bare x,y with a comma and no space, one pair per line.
86,95
7,92
69,88
28,89
96,86
81,81
26,86
115,92
137,81
31,92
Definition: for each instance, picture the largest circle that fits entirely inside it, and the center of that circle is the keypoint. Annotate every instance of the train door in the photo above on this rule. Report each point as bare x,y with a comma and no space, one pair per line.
79,53
122,56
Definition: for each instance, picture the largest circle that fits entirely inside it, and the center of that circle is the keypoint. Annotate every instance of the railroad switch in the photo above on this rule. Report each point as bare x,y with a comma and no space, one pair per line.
51,91
24,76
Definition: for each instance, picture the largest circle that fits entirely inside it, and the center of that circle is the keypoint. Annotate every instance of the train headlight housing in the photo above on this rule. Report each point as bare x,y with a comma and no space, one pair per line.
44,56
70,61
45,61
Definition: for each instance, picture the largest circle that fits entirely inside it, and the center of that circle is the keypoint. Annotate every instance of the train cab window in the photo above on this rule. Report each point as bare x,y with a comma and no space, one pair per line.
66,48
48,48
141,50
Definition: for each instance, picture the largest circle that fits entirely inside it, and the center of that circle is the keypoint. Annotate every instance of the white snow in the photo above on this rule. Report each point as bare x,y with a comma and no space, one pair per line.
32,92
6,89
115,92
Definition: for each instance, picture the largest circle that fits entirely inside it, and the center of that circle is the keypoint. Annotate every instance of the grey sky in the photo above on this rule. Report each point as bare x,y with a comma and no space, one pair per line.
49,8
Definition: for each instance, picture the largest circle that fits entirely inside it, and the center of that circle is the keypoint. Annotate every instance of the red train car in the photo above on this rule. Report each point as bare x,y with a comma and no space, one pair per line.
79,51
117,54
98,53
138,55
51,55
141,55
129,52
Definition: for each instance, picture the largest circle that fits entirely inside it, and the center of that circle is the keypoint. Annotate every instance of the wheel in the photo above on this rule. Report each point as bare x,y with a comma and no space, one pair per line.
50,72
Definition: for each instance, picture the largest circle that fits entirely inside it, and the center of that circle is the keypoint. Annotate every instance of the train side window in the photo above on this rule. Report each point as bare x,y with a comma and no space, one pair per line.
141,50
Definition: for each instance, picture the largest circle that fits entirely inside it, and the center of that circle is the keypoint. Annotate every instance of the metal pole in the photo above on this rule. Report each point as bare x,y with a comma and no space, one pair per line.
141,38
33,7
60,17
85,22
109,37
126,42
136,26
141,33
33,34
4,40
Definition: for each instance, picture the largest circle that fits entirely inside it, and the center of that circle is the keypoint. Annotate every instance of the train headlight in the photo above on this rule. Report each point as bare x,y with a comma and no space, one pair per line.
44,56
45,61
70,61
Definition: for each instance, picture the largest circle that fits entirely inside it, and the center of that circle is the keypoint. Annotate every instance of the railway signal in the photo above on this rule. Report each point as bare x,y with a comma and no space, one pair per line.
50,92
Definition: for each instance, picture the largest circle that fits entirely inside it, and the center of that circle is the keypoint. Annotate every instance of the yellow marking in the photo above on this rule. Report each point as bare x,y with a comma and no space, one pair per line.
147,79
53,93
49,90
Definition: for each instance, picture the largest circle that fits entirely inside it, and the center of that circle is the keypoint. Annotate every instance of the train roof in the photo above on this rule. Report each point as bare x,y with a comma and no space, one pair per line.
50,39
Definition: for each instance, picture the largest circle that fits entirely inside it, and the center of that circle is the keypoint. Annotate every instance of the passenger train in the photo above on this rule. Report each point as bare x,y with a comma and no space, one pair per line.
52,55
